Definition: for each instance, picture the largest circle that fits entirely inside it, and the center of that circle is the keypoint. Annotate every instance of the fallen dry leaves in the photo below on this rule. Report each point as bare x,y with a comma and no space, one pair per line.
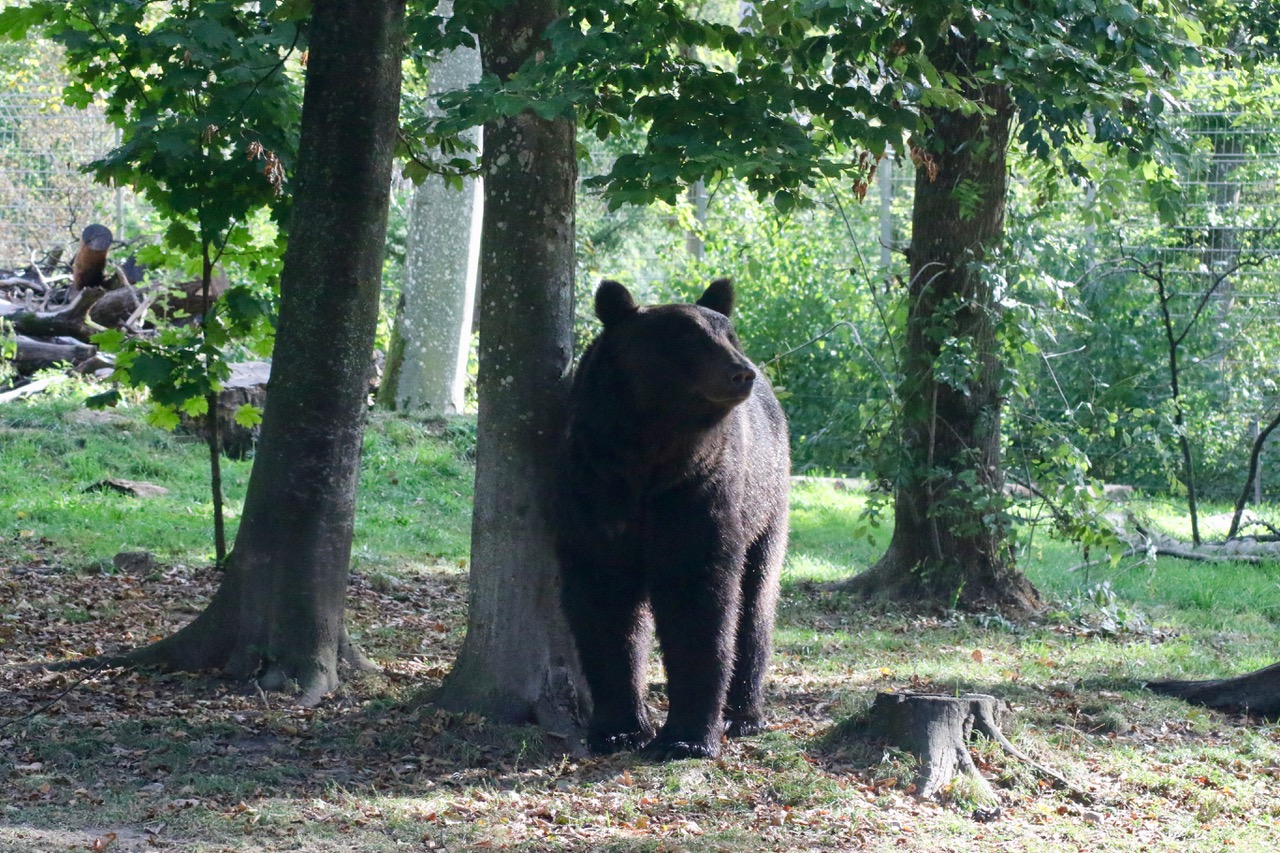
183,761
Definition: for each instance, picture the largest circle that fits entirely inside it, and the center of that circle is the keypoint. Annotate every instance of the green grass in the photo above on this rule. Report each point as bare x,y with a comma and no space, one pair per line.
414,499
205,765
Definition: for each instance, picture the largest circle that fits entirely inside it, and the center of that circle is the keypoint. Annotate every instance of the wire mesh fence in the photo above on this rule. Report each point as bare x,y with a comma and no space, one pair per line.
46,198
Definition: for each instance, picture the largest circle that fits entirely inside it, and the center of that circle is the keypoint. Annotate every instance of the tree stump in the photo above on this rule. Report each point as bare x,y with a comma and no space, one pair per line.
937,729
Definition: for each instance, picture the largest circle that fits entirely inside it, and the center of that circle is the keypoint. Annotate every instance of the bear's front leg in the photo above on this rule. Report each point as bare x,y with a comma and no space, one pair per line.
694,586
744,707
605,611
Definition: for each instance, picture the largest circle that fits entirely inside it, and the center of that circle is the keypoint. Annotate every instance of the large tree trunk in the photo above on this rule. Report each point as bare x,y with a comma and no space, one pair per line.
517,663
278,614
427,358
949,538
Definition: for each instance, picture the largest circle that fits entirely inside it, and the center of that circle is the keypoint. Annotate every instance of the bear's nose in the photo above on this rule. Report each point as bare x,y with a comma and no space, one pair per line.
742,378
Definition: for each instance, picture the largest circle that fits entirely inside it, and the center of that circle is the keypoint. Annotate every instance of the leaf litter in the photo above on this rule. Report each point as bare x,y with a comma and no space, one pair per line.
117,760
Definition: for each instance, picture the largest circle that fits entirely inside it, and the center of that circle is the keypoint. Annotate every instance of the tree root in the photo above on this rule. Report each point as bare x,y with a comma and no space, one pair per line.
1255,692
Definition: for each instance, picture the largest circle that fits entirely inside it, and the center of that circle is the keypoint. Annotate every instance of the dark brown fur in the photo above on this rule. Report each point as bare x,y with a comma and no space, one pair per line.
672,499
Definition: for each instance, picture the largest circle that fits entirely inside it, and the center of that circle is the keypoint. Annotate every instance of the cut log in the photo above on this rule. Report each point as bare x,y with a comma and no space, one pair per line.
36,355
1256,692
937,729
90,263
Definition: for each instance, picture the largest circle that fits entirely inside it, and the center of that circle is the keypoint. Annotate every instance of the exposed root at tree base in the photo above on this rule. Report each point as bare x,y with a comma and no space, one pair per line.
897,578
1255,692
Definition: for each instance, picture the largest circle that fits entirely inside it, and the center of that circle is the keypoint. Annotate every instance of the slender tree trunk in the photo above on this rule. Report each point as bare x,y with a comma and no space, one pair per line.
517,663
427,358
1174,342
211,416
1251,480
949,538
278,615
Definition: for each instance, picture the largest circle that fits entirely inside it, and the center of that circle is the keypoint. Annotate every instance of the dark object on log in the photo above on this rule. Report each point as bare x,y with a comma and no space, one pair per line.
1256,692
136,488
937,729
91,260
134,272
247,385
36,355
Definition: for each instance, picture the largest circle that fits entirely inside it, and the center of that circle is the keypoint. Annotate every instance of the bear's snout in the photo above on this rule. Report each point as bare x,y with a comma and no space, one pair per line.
734,384
742,378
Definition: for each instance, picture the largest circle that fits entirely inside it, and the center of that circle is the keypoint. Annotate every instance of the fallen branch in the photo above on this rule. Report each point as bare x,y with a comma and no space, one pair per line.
71,321
27,390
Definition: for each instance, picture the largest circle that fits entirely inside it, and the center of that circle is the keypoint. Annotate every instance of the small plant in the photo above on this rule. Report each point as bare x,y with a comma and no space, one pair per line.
1099,608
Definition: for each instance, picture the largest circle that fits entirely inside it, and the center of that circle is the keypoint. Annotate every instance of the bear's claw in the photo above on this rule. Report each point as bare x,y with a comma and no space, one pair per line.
744,728
673,750
607,743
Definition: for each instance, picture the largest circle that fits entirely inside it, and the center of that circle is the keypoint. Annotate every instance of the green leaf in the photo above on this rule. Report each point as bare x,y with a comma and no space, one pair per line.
248,415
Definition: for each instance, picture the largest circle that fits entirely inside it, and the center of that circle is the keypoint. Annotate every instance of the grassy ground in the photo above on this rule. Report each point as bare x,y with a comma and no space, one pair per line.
125,762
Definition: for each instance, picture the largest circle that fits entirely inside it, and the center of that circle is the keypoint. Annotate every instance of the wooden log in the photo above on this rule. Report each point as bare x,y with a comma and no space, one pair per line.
70,321
115,308
185,300
247,385
28,390
36,355
134,488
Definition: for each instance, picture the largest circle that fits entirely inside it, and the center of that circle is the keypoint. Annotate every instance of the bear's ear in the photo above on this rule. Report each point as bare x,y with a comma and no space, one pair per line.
718,297
613,303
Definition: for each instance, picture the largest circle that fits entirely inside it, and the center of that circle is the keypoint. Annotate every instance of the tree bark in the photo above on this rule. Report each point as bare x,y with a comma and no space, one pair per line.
517,663
427,357
278,614
949,538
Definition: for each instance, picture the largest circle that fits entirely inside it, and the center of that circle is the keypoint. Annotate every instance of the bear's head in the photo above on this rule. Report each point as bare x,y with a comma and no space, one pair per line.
676,357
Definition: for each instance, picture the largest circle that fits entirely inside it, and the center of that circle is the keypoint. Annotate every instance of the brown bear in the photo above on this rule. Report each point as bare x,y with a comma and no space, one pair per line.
672,499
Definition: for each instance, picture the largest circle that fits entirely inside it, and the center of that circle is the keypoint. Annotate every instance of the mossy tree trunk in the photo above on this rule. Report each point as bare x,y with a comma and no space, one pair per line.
949,538
278,614
517,663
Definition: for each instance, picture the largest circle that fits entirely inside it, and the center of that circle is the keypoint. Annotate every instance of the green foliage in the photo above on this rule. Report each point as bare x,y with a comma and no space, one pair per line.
200,91
809,312
207,101
8,351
